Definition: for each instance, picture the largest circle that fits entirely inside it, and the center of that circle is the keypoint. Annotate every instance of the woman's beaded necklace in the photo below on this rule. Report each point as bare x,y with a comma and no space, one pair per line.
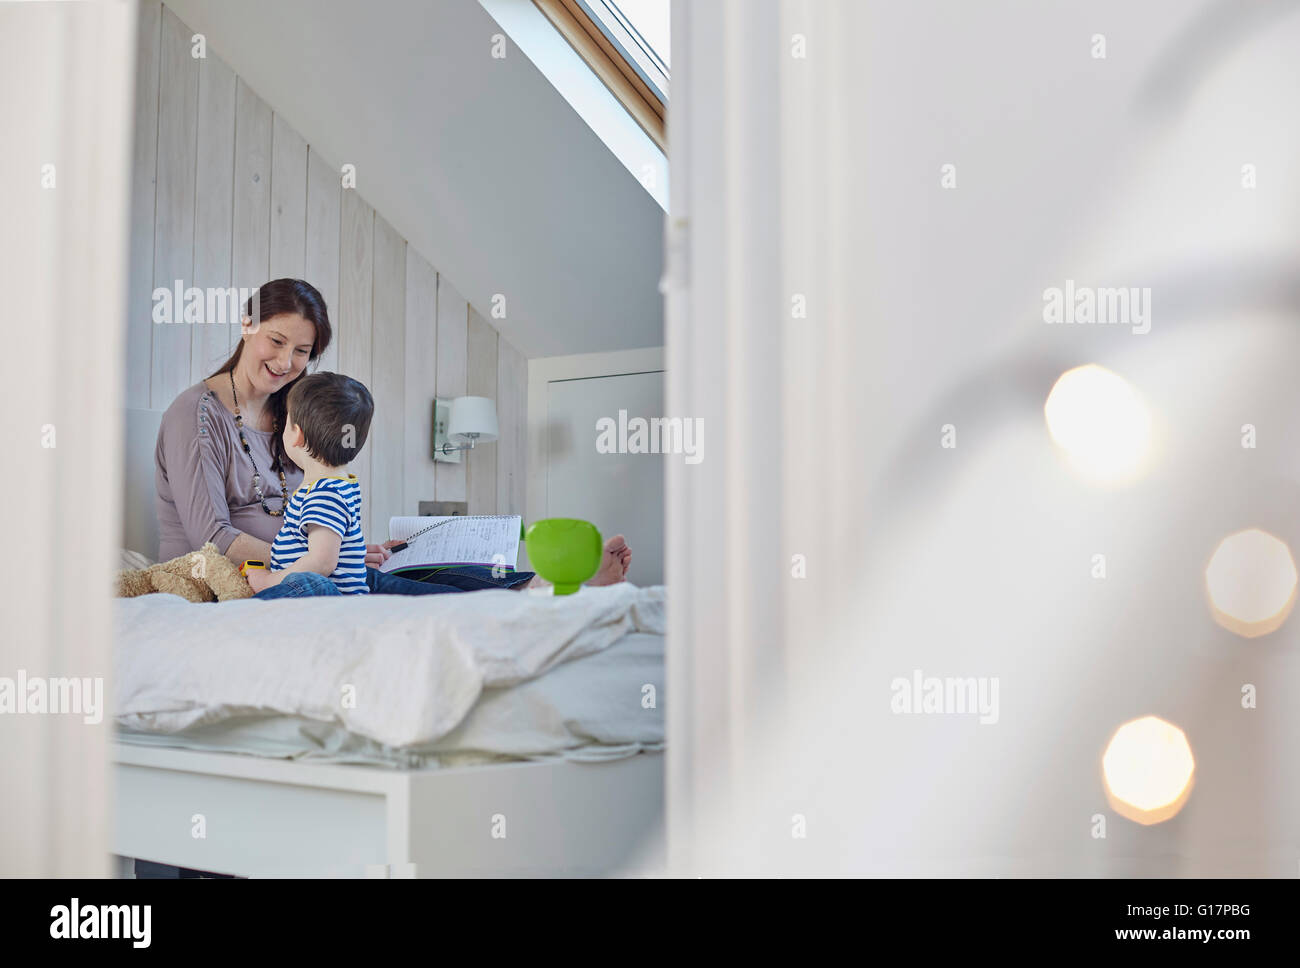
257,477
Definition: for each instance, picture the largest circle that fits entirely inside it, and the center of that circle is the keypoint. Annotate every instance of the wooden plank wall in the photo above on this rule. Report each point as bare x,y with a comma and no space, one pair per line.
214,208
420,362
352,321
453,337
144,169
173,223
226,193
481,381
512,415
324,201
388,376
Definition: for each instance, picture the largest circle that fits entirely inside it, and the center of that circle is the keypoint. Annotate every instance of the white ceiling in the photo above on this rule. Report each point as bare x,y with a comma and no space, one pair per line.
477,161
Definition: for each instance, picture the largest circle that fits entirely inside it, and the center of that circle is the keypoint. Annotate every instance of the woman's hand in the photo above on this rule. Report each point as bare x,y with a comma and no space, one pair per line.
376,555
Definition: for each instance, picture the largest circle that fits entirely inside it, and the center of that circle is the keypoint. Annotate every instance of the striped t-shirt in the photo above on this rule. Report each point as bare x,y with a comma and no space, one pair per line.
334,502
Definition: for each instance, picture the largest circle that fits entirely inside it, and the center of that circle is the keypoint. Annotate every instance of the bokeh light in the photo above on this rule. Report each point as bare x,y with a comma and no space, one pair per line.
1148,769
1101,423
1250,583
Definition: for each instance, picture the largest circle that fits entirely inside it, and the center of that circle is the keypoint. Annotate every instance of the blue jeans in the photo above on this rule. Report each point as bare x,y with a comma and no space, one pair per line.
301,584
461,578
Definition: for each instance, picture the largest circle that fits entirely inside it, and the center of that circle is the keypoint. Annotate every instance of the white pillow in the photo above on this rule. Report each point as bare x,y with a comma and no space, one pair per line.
134,560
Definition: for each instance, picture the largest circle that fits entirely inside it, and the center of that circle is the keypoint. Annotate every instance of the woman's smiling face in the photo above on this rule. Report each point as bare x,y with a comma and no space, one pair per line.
277,351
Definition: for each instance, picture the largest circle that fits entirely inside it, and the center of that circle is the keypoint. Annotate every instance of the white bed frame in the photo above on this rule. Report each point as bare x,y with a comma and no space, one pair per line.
257,816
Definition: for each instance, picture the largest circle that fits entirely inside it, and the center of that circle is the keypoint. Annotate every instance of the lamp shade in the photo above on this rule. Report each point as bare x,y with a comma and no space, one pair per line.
473,415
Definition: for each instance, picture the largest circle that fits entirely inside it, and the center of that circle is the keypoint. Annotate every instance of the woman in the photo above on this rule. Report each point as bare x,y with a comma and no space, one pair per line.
222,474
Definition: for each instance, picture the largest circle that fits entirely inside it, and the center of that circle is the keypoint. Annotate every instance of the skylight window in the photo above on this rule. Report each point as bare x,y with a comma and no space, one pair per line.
639,29
626,44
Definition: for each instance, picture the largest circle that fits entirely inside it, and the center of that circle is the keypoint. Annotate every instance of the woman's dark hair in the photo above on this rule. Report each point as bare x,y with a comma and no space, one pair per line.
274,299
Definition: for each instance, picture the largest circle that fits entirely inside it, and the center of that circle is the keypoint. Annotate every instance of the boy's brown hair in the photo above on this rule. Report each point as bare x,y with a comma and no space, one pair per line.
334,413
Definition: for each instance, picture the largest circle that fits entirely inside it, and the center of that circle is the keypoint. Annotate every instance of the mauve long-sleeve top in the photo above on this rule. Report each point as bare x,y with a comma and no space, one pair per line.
205,480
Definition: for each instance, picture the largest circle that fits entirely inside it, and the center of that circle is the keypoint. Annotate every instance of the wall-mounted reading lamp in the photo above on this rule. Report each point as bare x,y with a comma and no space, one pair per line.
461,424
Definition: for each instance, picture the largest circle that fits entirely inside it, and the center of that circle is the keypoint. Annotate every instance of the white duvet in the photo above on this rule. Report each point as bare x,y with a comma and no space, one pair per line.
401,670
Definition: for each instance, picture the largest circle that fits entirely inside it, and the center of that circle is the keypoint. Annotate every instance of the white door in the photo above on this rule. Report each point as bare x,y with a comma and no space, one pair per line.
618,493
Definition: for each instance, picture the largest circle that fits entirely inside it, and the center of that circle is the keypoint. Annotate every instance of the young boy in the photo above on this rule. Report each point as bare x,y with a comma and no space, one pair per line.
326,424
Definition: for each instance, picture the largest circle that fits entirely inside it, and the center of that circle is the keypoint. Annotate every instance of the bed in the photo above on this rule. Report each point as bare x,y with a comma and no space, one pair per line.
492,734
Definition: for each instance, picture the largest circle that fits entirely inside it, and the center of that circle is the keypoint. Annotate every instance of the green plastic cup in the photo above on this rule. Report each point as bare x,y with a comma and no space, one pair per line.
564,551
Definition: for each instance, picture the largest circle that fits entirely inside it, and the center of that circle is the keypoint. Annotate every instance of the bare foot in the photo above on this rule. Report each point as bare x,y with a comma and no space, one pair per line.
614,563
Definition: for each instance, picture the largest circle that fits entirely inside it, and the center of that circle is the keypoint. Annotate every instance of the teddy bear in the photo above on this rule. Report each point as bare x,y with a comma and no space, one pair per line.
201,576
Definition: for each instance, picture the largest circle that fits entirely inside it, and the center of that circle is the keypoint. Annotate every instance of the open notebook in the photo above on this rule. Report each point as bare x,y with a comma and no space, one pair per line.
476,539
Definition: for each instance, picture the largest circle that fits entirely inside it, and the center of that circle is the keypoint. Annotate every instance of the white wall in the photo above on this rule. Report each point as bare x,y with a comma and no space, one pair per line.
869,550
475,159
227,193
64,175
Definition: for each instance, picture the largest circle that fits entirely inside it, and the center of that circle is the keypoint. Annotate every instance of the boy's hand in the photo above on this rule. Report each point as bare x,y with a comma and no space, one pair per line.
259,579
376,555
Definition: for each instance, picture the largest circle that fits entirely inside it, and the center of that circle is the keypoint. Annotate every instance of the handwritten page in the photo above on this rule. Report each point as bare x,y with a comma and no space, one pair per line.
476,539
